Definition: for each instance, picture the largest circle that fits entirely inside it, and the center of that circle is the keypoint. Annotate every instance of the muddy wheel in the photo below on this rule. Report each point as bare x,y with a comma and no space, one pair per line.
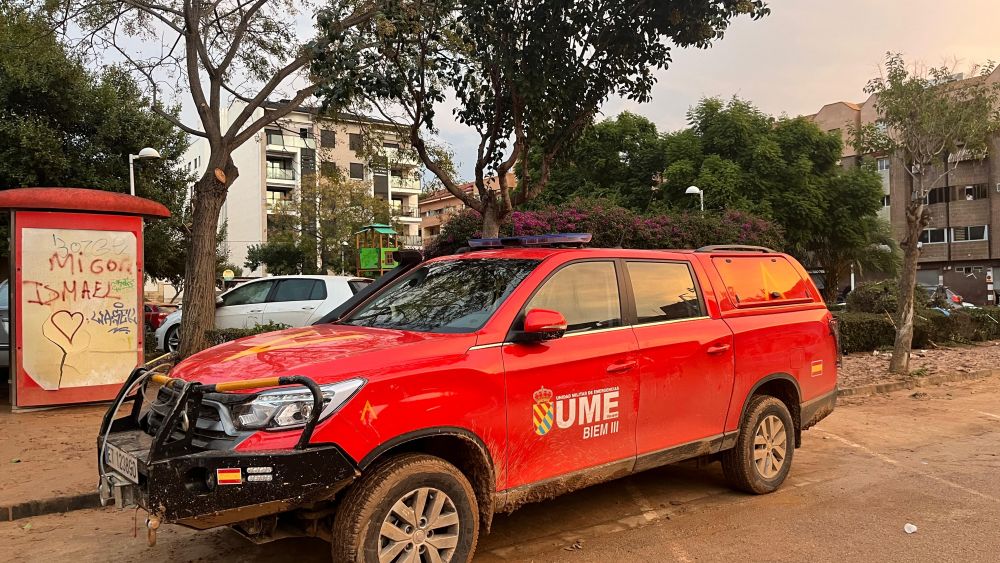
763,454
410,508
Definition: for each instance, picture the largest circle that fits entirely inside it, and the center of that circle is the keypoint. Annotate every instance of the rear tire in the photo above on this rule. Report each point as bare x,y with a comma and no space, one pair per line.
762,458
408,502
172,340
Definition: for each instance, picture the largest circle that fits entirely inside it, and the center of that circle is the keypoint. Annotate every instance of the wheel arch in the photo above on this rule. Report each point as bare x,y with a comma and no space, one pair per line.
785,388
459,447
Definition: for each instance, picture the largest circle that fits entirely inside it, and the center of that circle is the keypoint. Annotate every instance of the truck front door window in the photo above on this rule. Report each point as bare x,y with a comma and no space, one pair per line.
585,293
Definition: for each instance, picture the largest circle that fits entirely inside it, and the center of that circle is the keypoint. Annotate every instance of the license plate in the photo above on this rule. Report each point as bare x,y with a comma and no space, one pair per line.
124,463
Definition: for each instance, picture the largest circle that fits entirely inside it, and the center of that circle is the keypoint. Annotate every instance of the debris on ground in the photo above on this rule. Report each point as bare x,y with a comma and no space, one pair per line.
577,545
919,395
868,368
909,528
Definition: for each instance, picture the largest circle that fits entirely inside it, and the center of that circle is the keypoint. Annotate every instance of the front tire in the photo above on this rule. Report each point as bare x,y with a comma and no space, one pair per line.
762,458
411,507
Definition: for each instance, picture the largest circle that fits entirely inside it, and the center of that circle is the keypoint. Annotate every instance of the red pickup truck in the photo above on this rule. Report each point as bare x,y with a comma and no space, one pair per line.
462,386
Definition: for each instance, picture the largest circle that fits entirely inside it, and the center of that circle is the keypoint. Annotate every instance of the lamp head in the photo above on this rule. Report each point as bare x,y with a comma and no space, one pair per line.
149,152
692,190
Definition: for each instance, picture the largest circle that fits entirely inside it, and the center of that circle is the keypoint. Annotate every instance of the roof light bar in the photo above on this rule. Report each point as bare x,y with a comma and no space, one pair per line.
564,239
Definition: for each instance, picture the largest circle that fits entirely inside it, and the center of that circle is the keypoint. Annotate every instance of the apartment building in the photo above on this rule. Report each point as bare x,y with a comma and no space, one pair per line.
273,163
439,206
960,247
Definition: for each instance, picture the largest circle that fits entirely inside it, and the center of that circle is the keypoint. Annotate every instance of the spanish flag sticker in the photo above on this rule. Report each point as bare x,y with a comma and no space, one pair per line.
229,476
817,368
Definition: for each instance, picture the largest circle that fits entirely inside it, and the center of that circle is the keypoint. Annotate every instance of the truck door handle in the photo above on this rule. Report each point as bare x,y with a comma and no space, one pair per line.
622,367
255,310
308,308
718,349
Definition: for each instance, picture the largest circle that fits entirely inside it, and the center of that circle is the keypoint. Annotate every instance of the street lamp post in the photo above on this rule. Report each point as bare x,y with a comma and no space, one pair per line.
692,190
144,154
343,247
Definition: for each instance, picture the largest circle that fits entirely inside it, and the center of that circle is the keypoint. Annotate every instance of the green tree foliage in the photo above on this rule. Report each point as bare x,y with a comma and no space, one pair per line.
619,159
924,119
528,75
850,232
745,159
305,235
62,125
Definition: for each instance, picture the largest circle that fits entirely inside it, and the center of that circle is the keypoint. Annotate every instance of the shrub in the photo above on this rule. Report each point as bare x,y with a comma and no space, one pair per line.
881,297
864,332
985,323
221,335
614,226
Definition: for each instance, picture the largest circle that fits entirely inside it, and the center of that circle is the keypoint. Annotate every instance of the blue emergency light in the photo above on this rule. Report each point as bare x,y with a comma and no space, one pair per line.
564,239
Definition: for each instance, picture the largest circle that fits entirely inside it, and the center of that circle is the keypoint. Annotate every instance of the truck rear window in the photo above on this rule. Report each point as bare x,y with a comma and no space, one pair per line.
761,280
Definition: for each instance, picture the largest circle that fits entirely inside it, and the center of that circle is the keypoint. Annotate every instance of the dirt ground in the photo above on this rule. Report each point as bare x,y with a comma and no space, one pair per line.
929,459
866,368
45,454
50,453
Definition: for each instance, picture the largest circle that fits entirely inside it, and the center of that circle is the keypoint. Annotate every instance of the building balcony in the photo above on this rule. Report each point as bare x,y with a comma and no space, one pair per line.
281,174
285,142
405,212
409,241
400,157
404,184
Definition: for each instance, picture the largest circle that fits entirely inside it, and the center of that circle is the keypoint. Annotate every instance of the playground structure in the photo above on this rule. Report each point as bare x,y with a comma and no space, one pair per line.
375,245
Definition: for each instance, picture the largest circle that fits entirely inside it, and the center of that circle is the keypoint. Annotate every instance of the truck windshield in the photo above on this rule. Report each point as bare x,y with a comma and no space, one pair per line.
448,296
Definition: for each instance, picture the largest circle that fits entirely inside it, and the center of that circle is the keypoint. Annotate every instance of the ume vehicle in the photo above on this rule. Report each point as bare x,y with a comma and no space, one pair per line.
463,386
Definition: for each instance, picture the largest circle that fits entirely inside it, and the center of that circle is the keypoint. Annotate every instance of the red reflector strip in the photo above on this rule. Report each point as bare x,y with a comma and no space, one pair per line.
229,476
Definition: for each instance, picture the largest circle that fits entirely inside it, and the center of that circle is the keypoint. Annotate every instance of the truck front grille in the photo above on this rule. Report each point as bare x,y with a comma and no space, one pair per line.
214,430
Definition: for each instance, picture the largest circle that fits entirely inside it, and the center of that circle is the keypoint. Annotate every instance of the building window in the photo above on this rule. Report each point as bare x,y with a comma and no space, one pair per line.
327,138
396,173
280,169
329,169
357,171
962,269
933,236
937,195
885,200
882,163
973,192
354,141
978,232
390,144
277,197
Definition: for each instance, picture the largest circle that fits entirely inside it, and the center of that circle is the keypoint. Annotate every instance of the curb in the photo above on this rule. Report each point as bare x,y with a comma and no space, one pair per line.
876,388
49,506
92,500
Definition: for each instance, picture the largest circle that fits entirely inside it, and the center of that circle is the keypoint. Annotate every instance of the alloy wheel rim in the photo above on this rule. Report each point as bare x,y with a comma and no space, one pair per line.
769,443
174,340
422,526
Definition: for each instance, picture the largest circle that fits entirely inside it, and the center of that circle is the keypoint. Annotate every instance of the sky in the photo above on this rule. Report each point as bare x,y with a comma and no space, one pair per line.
806,54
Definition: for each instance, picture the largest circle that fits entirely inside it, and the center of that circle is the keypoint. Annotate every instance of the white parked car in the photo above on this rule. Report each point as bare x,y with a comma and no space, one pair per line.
290,300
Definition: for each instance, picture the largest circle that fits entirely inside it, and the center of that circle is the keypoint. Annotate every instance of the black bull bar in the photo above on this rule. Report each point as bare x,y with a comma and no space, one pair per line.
180,483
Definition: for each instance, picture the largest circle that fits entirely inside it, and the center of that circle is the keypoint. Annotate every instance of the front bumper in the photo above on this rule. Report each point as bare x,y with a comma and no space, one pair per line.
216,488
166,468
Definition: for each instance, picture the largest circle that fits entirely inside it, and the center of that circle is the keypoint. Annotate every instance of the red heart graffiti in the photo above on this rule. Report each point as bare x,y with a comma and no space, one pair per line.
67,323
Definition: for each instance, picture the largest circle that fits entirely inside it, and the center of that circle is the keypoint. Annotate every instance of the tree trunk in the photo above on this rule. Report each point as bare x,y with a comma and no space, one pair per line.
199,275
492,218
832,282
907,284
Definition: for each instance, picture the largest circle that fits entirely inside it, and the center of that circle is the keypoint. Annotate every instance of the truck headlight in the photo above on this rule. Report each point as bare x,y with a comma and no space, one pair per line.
291,408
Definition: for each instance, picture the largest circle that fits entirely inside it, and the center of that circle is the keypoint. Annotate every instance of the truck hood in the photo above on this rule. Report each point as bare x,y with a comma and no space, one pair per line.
326,353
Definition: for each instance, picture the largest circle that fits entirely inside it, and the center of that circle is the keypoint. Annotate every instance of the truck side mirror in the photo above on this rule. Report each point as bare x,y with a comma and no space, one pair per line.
541,325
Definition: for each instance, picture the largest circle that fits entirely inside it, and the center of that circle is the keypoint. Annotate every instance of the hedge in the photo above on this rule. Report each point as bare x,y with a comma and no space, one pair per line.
864,332
221,335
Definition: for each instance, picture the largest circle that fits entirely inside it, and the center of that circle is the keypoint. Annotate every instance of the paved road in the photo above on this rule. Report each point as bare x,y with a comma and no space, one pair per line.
876,464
